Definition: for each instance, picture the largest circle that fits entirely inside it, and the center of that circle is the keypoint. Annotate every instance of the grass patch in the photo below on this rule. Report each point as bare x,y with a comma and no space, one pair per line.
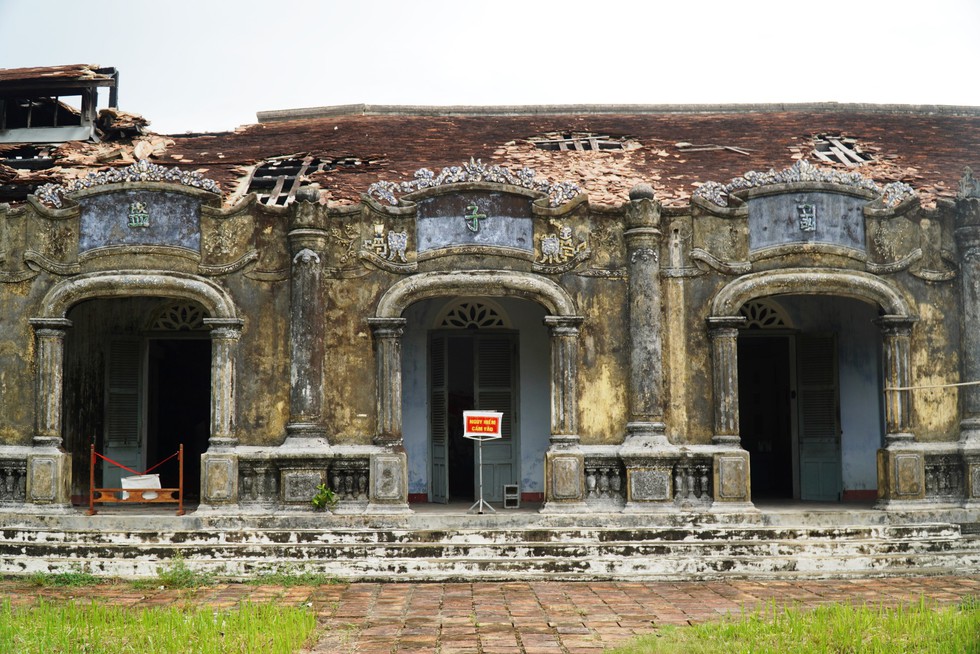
290,578
176,574
921,627
69,579
70,627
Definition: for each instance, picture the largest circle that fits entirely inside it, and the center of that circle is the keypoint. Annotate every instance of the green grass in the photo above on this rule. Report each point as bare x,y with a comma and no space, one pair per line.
289,578
177,575
837,628
76,628
70,579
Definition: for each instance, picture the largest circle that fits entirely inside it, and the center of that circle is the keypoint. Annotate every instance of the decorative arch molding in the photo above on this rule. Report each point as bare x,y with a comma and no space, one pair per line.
475,283
130,283
807,281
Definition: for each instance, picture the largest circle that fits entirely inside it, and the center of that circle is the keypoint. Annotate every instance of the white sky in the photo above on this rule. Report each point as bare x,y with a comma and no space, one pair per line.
207,65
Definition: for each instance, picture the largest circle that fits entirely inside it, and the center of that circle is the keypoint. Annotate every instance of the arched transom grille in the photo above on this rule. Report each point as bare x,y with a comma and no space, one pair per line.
473,314
765,314
180,316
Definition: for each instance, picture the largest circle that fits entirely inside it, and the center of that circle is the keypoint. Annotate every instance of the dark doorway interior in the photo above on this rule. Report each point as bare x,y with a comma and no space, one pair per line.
765,415
178,408
461,398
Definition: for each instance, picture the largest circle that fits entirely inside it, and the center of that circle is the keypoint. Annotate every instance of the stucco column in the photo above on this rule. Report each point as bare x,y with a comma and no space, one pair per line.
968,243
724,360
48,465
306,347
896,334
564,377
49,348
968,246
646,388
564,462
388,360
225,333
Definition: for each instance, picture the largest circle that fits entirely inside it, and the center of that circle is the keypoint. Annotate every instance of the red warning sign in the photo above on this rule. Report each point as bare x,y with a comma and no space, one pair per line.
482,425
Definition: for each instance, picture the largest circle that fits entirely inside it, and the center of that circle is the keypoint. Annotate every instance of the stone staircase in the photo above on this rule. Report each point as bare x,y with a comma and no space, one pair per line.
500,546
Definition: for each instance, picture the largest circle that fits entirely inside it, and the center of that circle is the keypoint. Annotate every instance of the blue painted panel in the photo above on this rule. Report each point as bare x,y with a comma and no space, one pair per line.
171,219
807,217
503,220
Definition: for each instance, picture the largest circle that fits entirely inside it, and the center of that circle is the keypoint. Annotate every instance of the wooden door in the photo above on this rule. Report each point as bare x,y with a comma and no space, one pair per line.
123,436
819,417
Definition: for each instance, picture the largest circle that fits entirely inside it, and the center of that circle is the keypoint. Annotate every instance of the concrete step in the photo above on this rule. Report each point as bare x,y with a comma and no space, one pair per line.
503,553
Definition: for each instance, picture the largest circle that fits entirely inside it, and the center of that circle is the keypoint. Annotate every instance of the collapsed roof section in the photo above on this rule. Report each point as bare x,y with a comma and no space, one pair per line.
42,134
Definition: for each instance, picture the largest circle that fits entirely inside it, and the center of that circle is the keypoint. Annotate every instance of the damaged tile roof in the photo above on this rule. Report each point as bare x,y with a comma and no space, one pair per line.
674,149
68,73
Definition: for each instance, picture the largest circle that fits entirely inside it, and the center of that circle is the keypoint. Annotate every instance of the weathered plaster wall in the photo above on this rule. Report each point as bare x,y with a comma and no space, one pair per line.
603,406
263,359
17,362
350,392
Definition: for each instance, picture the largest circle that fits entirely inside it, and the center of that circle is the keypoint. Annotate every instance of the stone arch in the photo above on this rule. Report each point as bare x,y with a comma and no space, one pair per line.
133,283
807,281
491,283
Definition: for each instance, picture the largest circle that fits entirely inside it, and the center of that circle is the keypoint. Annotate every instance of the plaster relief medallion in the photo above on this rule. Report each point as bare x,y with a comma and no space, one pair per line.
346,237
387,250
560,248
807,215
139,214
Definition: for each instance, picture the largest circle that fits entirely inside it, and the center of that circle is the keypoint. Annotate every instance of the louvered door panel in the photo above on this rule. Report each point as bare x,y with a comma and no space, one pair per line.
438,420
123,430
496,390
819,418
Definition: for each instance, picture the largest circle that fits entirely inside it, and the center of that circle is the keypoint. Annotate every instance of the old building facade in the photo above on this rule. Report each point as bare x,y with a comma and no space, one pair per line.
806,334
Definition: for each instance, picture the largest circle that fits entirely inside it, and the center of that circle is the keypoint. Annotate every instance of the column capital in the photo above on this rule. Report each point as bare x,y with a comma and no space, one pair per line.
563,325
896,325
387,327
54,326
314,240
225,328
722,326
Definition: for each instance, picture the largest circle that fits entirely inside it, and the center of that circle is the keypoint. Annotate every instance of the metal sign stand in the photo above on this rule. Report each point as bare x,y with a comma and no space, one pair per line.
481,504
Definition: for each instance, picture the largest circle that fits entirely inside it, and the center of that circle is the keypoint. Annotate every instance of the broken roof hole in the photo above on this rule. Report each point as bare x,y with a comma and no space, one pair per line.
582,141
276,181
836,148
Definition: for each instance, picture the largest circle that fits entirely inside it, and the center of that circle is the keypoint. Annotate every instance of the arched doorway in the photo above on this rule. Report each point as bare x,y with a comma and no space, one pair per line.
557,346
72,399
137,384
475,353
809,388
836,378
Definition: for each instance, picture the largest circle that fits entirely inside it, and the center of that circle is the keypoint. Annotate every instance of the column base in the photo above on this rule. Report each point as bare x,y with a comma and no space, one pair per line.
901,475
564,470
646,435
49,477
389,483
219,478
306,435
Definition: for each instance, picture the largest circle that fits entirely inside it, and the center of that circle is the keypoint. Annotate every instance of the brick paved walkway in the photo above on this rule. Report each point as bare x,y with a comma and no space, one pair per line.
517,617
